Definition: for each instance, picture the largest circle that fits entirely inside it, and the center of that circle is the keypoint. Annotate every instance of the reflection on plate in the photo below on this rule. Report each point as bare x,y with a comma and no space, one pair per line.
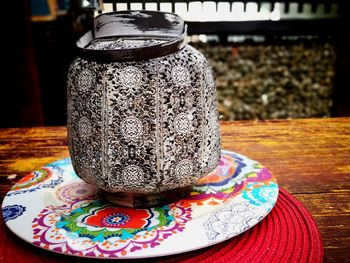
53,209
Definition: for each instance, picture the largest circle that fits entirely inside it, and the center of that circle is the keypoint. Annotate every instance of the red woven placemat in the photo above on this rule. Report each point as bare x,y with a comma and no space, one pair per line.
287,234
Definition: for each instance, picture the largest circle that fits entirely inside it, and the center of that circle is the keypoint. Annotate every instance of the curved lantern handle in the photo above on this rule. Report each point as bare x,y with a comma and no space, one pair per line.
168,27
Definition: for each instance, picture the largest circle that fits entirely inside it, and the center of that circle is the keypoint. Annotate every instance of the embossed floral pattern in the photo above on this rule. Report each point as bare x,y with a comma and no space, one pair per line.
86,80
132,128
84,127
150,114
183,123
133,174
184,168
130,77
180,76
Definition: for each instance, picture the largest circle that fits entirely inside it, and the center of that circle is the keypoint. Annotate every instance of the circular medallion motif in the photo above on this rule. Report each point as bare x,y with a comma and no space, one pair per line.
184,168
116,220
76,191
86,79
183,124
94,227
180,76
130,77
132,128
84,127
133,175
118,217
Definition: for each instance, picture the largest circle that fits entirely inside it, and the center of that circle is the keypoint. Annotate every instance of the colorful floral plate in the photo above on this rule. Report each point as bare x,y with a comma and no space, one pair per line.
53,209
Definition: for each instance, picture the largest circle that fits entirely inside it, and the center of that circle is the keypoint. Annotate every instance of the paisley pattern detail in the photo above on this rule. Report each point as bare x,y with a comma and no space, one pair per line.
11,212
47,177
86,80
132,128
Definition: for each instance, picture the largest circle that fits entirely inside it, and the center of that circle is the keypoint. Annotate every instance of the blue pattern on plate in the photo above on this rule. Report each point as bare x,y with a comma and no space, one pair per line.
11,212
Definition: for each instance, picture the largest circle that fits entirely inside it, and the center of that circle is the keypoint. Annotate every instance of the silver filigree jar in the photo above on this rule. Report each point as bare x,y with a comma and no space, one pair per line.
142,114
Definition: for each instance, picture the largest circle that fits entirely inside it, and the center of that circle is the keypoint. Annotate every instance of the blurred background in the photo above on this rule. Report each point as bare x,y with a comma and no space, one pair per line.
272,59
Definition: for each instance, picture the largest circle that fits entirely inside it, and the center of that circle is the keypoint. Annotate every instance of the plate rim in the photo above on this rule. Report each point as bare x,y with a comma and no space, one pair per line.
31,241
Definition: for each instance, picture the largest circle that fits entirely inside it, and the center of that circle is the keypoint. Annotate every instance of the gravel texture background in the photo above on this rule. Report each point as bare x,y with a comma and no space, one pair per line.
262,81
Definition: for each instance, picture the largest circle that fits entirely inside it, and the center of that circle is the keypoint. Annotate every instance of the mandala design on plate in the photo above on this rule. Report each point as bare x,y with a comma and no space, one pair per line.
95,228
84,127
258,192
220,185
86,80
91,227
11,212
133,175
47,177
230,221
130,77
76,191
132,128
180,76
183,124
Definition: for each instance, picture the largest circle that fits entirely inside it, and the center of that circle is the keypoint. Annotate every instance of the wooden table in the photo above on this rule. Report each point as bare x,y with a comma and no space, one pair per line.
310,158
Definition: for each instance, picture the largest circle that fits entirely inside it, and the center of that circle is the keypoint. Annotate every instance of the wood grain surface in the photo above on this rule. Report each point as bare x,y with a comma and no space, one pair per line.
309,157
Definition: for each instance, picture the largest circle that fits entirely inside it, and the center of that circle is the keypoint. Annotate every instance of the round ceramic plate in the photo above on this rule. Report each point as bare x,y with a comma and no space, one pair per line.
53,209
